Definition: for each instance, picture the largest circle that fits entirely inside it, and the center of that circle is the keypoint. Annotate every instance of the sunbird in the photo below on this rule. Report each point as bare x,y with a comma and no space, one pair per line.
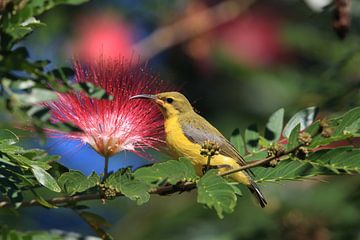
186,132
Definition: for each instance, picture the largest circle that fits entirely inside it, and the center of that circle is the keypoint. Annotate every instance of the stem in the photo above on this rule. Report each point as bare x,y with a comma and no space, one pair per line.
207,164
106,166
164,190
260,162
59,201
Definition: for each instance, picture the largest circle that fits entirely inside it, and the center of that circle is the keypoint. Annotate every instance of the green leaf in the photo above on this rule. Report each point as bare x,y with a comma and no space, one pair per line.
256,156
132,188
22,84
215,192
42,201
314,128
285,170
172,171
74,181
39,155
338,160
343,160
347,121
26,162
7,137
37,95
45,179
274,126
38,112
237,140
19,30
304,117
293,139
9,181
252,138
353,128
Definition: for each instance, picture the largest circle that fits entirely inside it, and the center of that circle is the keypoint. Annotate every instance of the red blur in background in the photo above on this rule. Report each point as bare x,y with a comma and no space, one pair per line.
102,35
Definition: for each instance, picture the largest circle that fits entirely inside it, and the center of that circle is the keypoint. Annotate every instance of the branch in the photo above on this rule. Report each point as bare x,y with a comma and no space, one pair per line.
261,162
190,27
59,201
163,190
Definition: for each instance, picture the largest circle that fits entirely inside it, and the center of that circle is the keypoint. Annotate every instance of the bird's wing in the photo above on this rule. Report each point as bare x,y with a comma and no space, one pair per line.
199,133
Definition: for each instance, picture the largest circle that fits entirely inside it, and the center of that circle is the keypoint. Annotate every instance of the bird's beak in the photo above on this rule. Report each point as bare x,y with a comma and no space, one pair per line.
144,96
149,96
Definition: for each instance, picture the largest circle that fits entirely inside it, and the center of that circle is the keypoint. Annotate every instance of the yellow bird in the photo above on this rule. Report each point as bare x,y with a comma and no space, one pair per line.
186,132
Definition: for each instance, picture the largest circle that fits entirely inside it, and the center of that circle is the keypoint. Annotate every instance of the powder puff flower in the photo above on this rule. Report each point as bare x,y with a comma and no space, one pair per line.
111,126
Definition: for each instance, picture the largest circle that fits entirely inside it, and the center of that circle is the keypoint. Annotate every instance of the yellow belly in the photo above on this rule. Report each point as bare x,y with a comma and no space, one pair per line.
181,146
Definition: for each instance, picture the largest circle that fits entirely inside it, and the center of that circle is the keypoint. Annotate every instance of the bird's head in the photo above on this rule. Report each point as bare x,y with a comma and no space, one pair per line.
170,103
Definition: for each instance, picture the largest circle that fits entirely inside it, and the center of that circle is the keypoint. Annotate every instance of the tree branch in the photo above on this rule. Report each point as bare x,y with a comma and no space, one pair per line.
190,27
260,162
58,201
163,190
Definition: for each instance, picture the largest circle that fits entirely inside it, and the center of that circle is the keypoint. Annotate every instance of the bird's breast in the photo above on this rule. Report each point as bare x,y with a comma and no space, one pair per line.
179,144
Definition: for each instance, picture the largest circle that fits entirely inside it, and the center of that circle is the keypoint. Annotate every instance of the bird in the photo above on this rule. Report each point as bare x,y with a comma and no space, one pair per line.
186,132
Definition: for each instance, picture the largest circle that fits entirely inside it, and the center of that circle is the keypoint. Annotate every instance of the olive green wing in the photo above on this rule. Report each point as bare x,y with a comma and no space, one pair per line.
198,130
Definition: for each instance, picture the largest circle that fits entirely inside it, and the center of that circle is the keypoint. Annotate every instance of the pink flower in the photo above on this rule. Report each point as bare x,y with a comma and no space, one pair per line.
111,126
103,35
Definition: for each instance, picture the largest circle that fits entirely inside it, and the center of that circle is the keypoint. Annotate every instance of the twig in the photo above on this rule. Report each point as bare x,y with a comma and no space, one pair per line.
260,162
164,190
58,201
106,166
55,201
190,27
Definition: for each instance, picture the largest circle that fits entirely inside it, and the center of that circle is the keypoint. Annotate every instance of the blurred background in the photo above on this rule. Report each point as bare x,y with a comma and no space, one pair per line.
237,62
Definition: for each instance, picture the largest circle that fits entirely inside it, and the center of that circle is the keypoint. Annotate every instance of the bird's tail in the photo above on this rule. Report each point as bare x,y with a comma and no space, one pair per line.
255,190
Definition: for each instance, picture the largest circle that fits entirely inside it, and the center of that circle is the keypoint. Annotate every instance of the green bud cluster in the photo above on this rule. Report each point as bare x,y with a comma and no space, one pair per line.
275,149
209,149
326,130
107,192
305,138
302,153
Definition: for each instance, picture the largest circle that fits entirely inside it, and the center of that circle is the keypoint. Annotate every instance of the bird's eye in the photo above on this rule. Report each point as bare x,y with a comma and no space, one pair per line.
169,100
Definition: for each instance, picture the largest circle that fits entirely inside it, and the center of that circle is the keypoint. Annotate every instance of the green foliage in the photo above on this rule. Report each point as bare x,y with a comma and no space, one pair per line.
10,234
274,126
237,140
171,171
27,174
252,138
348,123
339,160
286,170
313,162
31,84
125,183
216,192
304,118
45,179
75,182
25,169
293,138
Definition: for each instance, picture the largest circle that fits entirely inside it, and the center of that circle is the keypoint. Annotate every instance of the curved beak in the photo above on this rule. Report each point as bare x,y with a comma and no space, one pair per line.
144,96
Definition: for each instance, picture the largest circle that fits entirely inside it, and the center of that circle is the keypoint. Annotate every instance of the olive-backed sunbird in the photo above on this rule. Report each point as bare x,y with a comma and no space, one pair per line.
186,132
